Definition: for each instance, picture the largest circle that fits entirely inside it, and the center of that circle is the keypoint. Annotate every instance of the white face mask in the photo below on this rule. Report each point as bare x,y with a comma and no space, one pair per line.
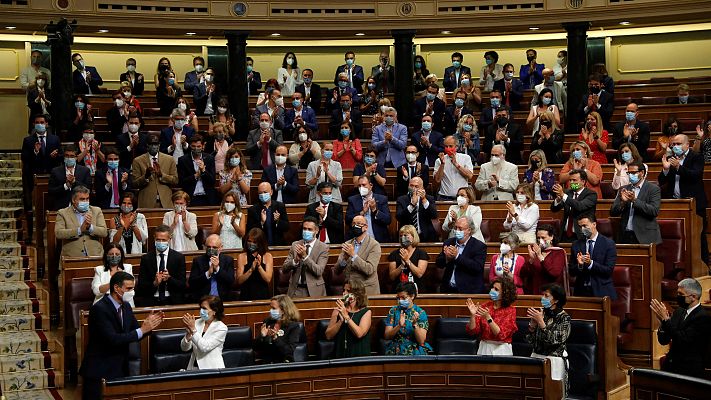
229,207
279,101
221,110
521,198
126,94
118,102
363,191
505,248
182,106
128,296
411,157
462,201
280,160
40,82
133,128
303,137
495,160
264,125
289,61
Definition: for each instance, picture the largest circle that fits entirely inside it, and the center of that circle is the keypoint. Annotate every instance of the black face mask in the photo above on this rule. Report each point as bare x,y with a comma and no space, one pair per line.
547,124
681,301
356,231
501,122
535,164
595,89
164,67
530,58
153,149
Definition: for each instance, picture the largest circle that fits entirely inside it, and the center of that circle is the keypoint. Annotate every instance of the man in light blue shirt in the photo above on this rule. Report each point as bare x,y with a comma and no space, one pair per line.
390,140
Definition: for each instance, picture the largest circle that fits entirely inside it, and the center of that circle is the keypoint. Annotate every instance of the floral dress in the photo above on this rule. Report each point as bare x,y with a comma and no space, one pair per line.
404,341
226,176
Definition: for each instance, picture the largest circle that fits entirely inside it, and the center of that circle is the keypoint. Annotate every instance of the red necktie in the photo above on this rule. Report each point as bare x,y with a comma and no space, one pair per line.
508,90
115,187
569,231
265,153
322,231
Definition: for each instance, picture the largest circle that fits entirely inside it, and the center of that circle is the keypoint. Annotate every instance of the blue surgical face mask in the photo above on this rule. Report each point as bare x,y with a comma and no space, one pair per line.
465,82
234,161
508,75
418,65
495,102
426,125
369,160
274,313
459,102
683,99
327,154
79,105
342,84
546,302
371,86
627,156
307,235
630,115
40,128
389,120
678,150
307,80
345,132
458,234
70,162
546,100
404,303
249,68
456,64
264,197
171,81
326,198
577,154
204,315
489,61
161,246
296,103
83,206
112,164
467,127
494,295
350,61
431,96
634,178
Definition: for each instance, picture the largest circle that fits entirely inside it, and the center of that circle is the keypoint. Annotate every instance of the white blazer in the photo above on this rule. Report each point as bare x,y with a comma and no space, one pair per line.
101,277
207,348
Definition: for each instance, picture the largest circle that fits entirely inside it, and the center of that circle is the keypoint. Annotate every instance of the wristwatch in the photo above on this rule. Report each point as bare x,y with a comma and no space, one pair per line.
489,320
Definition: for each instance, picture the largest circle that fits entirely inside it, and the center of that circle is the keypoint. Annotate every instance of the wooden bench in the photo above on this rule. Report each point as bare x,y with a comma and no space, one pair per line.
647,384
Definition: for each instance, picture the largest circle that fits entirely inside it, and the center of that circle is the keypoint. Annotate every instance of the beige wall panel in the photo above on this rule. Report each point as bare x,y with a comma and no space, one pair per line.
14,116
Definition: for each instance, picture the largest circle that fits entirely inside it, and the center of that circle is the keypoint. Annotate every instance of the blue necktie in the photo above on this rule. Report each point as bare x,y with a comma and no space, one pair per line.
213,286
268,227
590,247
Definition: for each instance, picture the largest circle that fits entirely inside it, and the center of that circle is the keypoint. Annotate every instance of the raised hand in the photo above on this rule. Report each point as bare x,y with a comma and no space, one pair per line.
473,307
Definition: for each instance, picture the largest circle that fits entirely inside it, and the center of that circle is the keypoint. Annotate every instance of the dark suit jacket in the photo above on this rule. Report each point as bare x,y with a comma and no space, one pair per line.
291,183
225,277
641,142
431,153
513,147
358,76
691,183
333,221
604,257
607,106
116,122
191,81
531,80
36,108
334,104
334,127
450,77
126,156
487,117
59,196
175,284
438,111
165,102
255,84
186,175
688,337
102,196
516,93
309,117
403,183
166,138
646,208
552,147
200,97
380,220
469,271
424,217
80,84
40,163
384,78
254,220
675,100
315,100
575,208
106,354
255,152
138,85
451,121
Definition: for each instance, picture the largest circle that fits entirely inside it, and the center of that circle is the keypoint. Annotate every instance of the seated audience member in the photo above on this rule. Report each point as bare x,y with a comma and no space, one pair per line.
153,174
599,99
64,178
632,131
560,69
230,222
408,263
371,206
418,209
542,102
128,229
300,114
507,264
467,138
90,149
580,159
523,214
548,332
372,100
465,207
196,76
117,116
429,143
432,106
488,114
236,178
491,71
269,215
627,155
85,79
374,171
279,333
592,260
264,96
39,96
494,322
325,169
549,139
310,91
224,116
421,72
191,120
206,335
497,178
406,325
637,205
162,273
196,172
702,144
254,78
274,107
206,94
131,143
510,88
546,261
29,73
411,169
452,171
353,72
262,142
540,176
328,213
283,178
289,74
212,273
114,261
343,97
576,202
462,258
682,96
384,73
174,138
389,140
360,256
217,146
304,149
554,91
182,223
595,137
686,329
167,92
307,261
606,80
347,149
531,74
255,267
80,227
453,74
507,133
136,79
81,114
453,113
349,326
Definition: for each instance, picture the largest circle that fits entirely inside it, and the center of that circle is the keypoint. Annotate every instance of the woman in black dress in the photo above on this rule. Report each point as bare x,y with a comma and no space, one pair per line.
279,333
408,263
255,267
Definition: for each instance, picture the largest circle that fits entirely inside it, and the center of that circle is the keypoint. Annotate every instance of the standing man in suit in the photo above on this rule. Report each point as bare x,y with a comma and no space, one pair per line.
132,143
505,132
269,215
274,107
212,273
64,178
384,74
453,74
454,112
328,213
254,78
196,76
433,106
300,115
687,330
283,178
598,100
462,258
488,114
262,142
410,170
497,178
40,153
576,202
80,226
153,174
592,260
346,112
371,206
196,173
418,209
310,92
360,256
306,261
162,273
429,142
637,205
174,139
390,139
134,78
112,181
352,70
112,327
86,79
632,131
531,74
511,88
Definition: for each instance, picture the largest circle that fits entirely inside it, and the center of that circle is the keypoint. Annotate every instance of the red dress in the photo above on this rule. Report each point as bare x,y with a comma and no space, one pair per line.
597,154
550,270
505,318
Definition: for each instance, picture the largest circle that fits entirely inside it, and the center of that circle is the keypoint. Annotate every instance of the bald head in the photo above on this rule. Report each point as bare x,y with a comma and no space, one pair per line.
547,72
214,241
416,183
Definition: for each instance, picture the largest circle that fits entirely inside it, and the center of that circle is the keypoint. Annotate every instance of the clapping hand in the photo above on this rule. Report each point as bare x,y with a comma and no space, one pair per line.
300,251
659,309
536,315
152,321
511,208
86,225
189,322
348,249
450,252
558,190
473,307
276,216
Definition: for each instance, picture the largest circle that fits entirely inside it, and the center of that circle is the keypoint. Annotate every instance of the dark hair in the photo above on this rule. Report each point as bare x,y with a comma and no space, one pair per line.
508,290
153,138
307,69
273,83
81,98
535,53
600,68
433,85
322,185
457,54
187,104
215,304
196,138
508,65
40,116
582,173
344,94
542,93
131,59
76,54
672,119
550,230
118,279
69,147
108,247
352,135
595,77
590,216
163,228
129,195
495,90
134,114
422,61
294,65
259,238
407,287
639,165
564,52
310,219
110,150
493,55
557,292
249,59
87,126
348,52
198,58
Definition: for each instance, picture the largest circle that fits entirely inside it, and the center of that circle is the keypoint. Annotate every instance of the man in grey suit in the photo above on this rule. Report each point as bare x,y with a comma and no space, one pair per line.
637,205
262,143
360,256
307,260
80,226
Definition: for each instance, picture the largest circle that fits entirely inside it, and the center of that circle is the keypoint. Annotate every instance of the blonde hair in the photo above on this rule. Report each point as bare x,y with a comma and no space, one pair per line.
470,193
218,125
528,191
238,206
581,144
412,231
540,154
549,117
384,102
598,120
462,121
181,195
289,312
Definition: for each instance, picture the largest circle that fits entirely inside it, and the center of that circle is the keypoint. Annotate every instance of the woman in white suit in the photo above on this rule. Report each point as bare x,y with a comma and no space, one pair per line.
183,223
206,335
113,261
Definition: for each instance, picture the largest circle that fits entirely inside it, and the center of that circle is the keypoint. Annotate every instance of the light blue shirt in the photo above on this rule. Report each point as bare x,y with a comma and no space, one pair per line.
80,218
636,190
460,249
116,304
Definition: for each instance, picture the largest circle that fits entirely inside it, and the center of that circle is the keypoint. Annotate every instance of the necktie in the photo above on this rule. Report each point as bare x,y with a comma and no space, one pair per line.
43,144
268,227
115,187
569,231
590,247
303,268
508,90
413,171
161,287
414,218
322,231
119,311
213,286
265,153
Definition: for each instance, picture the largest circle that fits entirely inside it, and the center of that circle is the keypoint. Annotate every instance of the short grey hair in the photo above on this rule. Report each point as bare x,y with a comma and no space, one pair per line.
512,238
390,109
177,113
470,223
500,146
80,189
692,286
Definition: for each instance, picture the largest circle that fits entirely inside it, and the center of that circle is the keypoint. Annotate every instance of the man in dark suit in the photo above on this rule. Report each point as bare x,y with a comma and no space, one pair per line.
112,181
592,261
453,74
310,92
268,215
40,153
462,258
333,102
455,111
86,80
511,88
506,132
136,79
410,170
112,328
299,115
632,131
262,142
384,74
488,114
254,78
373,207
196,173
431,105
328,213
205,91
429,142
682,96
196,76
354,72
168,134
598,100
162,274
576,202
687,330
132,143
283,178
418,209
63,178
346,111
637,205
212,273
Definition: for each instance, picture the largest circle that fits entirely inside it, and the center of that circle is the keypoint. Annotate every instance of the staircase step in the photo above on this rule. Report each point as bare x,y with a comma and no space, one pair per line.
10,249
14,291
18,323
14,263
26,381
12,182
14,164
10,156
8,223
22,362
12,276
44,394
16,307
8,235
11,203
9,172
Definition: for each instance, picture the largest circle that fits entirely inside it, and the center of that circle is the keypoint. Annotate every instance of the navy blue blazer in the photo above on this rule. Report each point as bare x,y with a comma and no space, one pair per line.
138,85
432,152
604,257
358,76
40,163
186,175
314,100
200,98
80,84
530,80
380,221
225,277
451,121
255,84
403,184
126,156
607,106
334,126
291,184
516,93
335,104
424,217
60,197
307,114
191,81
469,271
166,137
450,77
103,196
438,111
